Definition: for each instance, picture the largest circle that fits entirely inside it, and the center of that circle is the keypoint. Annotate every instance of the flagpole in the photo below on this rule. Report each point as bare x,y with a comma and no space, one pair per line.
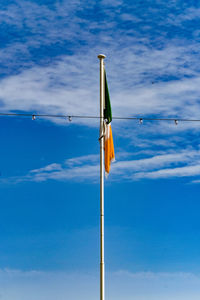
101,139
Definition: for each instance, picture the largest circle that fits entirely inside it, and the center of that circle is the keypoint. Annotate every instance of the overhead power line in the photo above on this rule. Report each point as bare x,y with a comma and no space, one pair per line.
70,117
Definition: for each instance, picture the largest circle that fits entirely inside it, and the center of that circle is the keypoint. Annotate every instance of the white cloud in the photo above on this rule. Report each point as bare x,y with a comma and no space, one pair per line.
66,87
51,89
49,168
185,163
195,181
92,158
186,171
188,14
77,169
182,164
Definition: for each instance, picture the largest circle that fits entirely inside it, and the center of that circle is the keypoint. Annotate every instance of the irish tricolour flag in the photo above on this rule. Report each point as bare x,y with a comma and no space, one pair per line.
108,140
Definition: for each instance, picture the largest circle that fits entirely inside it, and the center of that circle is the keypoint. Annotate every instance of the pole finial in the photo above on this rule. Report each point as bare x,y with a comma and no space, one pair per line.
101,56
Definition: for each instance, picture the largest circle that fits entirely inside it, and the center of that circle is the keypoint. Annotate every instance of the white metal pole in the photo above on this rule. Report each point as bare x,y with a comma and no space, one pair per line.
102,101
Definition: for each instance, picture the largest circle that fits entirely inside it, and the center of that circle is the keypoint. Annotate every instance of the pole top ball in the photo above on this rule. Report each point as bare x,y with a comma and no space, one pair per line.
101,56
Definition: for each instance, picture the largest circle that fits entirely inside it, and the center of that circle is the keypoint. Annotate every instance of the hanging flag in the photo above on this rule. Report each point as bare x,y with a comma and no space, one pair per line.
108,141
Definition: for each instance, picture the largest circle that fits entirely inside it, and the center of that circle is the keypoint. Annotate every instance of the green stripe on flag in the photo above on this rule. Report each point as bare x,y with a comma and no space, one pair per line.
107,110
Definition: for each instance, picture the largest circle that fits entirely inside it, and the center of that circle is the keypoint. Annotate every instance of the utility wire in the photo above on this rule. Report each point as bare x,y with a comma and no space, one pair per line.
176,120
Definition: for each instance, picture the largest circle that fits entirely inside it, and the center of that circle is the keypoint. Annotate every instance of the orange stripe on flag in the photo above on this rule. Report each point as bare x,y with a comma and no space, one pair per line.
108,147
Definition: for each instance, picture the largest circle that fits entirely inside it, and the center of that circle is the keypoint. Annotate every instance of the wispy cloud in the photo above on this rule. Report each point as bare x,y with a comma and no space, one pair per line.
151,165
53,89
186,171
172,165
75,169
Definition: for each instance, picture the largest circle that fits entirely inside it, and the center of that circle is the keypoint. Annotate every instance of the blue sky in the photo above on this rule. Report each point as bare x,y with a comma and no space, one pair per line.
49,184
